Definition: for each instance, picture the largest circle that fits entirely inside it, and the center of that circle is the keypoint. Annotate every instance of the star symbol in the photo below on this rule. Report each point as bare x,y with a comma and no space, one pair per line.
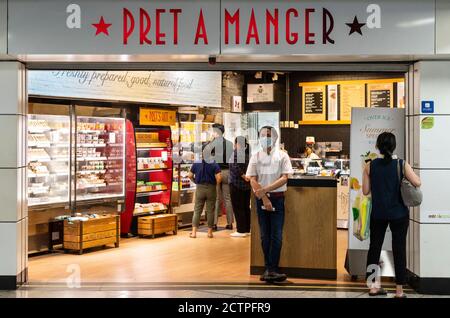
102,27
355,26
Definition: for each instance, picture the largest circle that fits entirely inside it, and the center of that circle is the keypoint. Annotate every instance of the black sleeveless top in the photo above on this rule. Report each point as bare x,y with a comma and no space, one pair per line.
387,202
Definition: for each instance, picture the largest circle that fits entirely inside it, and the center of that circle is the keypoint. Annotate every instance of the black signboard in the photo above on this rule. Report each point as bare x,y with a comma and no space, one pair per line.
380,98
314,103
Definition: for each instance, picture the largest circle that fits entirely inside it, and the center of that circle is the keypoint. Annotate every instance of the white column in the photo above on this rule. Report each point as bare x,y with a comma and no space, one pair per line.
13,183
429,141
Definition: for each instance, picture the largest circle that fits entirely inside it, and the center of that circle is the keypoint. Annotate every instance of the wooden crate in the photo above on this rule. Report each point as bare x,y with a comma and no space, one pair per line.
101,231
157,224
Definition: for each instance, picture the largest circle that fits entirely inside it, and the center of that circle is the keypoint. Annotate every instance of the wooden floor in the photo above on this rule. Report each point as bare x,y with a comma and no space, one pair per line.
169,259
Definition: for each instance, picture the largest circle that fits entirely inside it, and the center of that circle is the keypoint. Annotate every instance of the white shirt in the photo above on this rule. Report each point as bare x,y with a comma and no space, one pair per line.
313,156
270,167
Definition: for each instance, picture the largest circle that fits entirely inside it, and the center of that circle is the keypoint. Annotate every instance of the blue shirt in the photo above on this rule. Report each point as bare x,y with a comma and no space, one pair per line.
387,202
205,173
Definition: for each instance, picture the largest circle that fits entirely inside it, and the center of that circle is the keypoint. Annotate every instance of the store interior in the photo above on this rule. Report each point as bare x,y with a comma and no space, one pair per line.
107,183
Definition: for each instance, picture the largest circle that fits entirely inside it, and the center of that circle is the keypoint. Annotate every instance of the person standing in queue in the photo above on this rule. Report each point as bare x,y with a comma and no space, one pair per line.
381,179
221,150
240,186
268,170
206,175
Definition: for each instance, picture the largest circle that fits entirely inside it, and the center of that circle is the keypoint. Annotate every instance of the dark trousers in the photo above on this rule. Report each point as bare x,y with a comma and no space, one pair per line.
399,229
240,200
271,228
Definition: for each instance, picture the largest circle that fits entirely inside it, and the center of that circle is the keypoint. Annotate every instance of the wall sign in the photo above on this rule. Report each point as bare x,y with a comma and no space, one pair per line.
428,107
233,27
260,93
169,88
236,104
157,117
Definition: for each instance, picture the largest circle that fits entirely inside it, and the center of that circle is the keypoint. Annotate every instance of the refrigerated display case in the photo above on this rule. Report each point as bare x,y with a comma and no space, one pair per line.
100,159
48,160
75,165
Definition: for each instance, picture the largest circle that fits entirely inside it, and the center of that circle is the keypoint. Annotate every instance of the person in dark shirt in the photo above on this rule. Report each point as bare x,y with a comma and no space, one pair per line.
240,186
206,176
220,150
381,179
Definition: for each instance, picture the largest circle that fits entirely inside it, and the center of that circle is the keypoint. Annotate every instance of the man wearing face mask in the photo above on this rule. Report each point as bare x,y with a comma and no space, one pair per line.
268,170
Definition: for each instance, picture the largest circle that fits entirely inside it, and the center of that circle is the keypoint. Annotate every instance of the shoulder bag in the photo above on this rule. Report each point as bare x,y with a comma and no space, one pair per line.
411,195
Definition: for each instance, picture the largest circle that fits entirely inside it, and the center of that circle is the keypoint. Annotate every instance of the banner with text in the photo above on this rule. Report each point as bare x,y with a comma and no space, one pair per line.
159,87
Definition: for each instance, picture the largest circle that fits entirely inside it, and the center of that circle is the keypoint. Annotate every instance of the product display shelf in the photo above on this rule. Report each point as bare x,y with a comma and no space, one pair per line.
48,160
100,158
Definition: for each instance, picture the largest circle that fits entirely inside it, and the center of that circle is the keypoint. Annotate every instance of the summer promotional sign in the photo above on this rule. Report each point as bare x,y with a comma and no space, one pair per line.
367,124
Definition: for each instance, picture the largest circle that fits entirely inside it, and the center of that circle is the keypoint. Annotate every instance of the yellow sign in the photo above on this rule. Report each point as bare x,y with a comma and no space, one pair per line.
314,102
319,99
156,117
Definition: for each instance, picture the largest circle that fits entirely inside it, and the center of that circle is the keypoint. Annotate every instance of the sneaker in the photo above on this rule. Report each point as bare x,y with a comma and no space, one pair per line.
264,276
229,227
276,277
237,234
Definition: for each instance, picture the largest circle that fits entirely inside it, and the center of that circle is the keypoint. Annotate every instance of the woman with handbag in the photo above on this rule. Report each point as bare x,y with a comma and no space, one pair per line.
382,178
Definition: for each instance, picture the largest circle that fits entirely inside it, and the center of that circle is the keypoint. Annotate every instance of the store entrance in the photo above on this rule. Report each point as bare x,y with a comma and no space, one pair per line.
109,197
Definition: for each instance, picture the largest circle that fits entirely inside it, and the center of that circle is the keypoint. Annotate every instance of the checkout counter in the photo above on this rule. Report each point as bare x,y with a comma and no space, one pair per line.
310,229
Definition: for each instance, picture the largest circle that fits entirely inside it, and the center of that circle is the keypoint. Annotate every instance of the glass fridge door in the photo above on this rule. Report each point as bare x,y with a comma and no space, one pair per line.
48,159
100,158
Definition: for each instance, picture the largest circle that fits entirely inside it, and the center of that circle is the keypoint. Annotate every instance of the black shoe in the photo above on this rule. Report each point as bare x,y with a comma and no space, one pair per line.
229,227
264,276
214,228
275,277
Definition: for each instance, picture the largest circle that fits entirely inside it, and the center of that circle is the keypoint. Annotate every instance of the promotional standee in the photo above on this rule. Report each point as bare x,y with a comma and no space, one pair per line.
367,124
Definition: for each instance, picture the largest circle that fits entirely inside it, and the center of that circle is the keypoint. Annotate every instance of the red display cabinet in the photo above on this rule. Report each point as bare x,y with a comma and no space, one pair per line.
153,170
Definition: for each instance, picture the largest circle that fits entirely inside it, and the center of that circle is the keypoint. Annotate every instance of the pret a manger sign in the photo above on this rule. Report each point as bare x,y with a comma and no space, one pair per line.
221,27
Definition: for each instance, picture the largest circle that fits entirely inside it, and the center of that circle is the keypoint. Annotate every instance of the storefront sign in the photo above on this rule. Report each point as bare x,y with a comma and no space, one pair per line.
234,27
260,93
168,88
157,117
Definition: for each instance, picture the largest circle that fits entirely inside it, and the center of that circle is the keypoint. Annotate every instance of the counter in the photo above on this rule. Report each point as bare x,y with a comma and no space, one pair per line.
309,236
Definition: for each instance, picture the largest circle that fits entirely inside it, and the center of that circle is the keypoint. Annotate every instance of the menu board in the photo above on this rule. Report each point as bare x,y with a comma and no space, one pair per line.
352,95
331,103
380,95
314,103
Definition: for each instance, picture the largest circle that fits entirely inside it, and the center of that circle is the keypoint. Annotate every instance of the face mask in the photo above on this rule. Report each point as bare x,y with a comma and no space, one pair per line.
265,142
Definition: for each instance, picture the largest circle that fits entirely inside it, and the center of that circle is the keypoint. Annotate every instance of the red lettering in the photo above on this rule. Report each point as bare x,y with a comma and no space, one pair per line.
159,35
127,30
231,19
291,37
271,20
144,20
308,35
252,29
175,13
327,16
201,30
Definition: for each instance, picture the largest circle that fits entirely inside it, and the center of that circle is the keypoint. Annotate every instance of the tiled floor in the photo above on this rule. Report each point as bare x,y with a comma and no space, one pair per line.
82,293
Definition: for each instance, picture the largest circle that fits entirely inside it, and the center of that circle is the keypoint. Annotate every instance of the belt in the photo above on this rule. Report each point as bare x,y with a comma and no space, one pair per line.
275,194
